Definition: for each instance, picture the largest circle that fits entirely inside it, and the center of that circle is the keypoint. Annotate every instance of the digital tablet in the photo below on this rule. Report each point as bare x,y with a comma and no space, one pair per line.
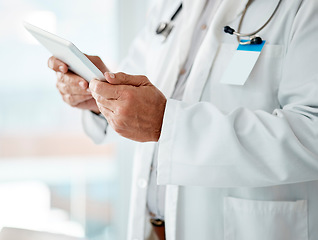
67,52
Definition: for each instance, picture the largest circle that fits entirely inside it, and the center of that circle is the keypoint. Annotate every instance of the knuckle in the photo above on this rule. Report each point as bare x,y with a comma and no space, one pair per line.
63,88
127,94
75,79
69,99
143,78
98,87
65,77
66,88
122,111
117,93
60,76
59,86
122,76
98,98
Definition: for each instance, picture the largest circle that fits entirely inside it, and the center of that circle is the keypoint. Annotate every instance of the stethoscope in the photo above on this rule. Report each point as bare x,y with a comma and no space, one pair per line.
253,38
165,28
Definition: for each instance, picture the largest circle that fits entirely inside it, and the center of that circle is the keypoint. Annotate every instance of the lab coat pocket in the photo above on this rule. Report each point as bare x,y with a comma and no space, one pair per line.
265,220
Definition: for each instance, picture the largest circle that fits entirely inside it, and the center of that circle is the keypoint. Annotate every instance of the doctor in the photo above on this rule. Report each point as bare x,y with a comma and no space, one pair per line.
233,162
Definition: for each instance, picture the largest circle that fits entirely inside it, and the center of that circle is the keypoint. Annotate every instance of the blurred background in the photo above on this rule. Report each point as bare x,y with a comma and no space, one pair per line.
52,177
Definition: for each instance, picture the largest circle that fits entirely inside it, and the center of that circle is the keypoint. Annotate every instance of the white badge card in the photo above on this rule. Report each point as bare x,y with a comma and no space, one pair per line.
242,64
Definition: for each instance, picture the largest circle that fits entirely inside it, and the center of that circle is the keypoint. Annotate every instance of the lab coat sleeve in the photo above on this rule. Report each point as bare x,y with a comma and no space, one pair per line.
202,146
95,126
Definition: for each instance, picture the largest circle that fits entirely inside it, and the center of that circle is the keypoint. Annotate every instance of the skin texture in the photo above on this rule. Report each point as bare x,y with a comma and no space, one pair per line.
74,89
131,104
133,107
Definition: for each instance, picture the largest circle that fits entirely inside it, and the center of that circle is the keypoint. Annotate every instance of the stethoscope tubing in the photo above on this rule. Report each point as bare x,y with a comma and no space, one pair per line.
164,28
261,28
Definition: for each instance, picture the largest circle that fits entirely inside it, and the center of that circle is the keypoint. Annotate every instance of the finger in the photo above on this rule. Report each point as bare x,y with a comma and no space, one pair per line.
126,79
105,89
89,104
73,80
74,100
57,65
108,114
112,105
72,89
97,61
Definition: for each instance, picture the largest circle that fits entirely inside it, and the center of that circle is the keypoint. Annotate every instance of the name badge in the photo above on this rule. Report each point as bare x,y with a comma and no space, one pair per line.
242,64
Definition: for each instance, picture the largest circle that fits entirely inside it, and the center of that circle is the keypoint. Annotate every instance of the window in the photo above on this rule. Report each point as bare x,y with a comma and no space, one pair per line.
48,167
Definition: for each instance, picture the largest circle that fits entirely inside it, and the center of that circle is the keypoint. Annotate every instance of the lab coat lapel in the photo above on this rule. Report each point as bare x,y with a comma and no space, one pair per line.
191,12
227,11
171,67
142,163
171,201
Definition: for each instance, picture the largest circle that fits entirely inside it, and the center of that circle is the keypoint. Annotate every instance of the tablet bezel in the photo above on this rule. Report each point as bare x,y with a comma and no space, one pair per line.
67,52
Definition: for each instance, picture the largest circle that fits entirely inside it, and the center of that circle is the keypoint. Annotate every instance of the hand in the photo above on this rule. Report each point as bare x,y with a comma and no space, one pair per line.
131,104
73,88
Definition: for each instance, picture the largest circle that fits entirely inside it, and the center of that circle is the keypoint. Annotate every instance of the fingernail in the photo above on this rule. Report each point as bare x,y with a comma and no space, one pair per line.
82,85
50,64
88,90
111,75
61,68
94,95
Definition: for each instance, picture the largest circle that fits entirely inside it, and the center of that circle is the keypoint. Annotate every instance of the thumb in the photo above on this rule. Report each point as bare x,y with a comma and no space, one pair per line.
126,79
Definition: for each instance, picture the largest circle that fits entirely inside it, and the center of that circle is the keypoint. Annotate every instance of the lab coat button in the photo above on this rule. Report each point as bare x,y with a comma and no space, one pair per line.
182,71
203,26
142,183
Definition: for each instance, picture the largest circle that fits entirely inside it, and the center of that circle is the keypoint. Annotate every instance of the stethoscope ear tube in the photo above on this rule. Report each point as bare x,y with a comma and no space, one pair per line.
253,38
229,30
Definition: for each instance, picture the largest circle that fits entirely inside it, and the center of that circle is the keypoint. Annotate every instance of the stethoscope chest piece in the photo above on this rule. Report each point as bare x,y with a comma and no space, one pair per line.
164,29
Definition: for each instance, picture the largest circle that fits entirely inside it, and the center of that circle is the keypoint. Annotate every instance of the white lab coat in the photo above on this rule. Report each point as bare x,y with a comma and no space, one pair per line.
239,162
